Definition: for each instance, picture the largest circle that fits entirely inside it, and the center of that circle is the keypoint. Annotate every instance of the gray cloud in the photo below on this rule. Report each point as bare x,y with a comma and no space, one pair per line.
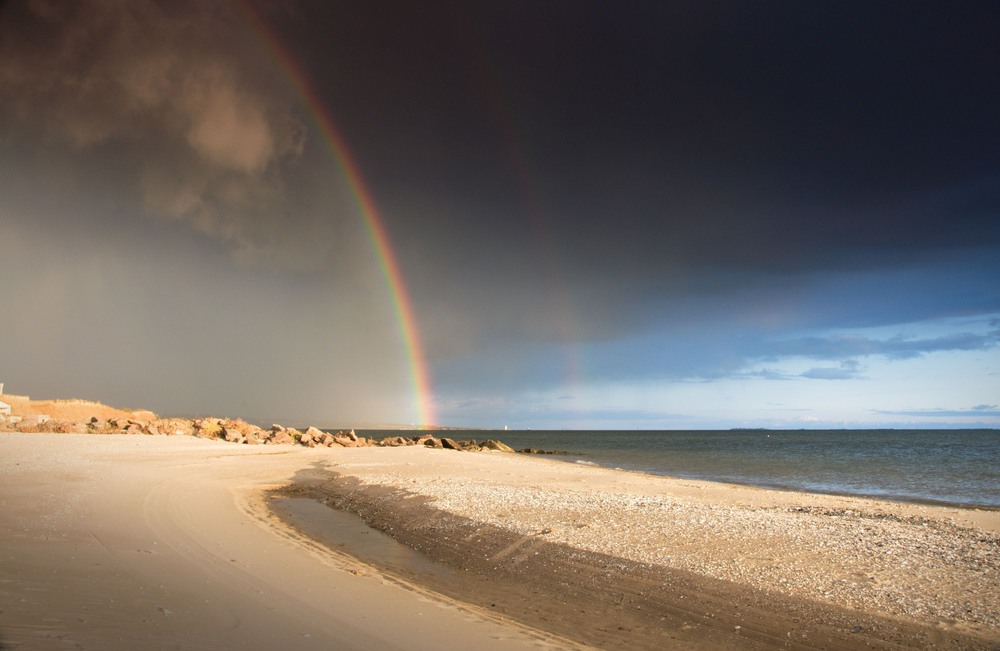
175,94
898,347
848,370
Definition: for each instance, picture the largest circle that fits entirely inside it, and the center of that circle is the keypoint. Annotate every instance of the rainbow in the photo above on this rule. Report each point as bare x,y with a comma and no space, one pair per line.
374,224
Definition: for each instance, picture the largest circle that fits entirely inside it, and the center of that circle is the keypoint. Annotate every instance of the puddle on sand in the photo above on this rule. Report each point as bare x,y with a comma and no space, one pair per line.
348,533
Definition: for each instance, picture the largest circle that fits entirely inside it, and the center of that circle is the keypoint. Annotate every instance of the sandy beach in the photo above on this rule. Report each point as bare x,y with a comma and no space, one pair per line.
119,542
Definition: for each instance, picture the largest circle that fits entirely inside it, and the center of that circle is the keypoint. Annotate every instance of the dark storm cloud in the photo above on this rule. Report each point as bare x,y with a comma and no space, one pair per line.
586,158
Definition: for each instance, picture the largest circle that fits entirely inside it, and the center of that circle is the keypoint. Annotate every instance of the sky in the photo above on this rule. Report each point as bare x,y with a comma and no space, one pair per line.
560,214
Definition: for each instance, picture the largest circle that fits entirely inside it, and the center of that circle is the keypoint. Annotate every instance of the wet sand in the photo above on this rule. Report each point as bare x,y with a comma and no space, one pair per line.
113,540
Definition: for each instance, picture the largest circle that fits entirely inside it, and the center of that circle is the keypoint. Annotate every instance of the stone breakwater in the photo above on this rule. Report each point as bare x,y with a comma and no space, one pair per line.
243,433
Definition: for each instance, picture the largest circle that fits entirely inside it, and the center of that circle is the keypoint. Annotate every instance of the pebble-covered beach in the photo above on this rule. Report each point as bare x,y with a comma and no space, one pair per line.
932,565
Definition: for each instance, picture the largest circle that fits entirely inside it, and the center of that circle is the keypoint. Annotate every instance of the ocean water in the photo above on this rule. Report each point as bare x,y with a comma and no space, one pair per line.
960,467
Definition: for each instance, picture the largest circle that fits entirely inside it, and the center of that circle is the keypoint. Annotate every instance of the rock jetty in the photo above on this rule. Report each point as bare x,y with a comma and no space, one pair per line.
243,433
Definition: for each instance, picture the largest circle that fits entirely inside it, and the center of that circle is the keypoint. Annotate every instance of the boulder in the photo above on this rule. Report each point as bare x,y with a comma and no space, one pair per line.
344,440
232,435
152,430
432,442
208,428
27,424
497,446
281,438
449,444
175,426
316,434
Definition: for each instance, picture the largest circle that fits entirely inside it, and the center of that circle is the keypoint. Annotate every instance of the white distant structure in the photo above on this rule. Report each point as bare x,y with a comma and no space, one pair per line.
4,409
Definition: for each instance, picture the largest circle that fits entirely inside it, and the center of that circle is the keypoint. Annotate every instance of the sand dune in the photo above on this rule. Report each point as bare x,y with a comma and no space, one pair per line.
70,409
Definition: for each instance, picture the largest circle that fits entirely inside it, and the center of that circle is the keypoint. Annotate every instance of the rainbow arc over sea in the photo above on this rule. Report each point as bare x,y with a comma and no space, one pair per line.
367,208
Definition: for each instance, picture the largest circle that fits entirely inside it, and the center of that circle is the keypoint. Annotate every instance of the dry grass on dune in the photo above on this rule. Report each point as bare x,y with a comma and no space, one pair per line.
70,410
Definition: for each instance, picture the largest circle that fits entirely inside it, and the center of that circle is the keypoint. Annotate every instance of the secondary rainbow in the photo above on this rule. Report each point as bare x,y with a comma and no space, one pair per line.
389,265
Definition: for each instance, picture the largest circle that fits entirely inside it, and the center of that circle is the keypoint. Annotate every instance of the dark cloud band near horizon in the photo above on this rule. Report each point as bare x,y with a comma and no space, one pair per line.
576,191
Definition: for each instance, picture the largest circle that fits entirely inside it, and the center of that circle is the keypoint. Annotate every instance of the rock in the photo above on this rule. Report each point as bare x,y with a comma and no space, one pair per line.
315,433
342,439
97,425
232,435
351,435
449,444
132,428
393,441
281,438
497,446
432,442
28,424
209,428
151,430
